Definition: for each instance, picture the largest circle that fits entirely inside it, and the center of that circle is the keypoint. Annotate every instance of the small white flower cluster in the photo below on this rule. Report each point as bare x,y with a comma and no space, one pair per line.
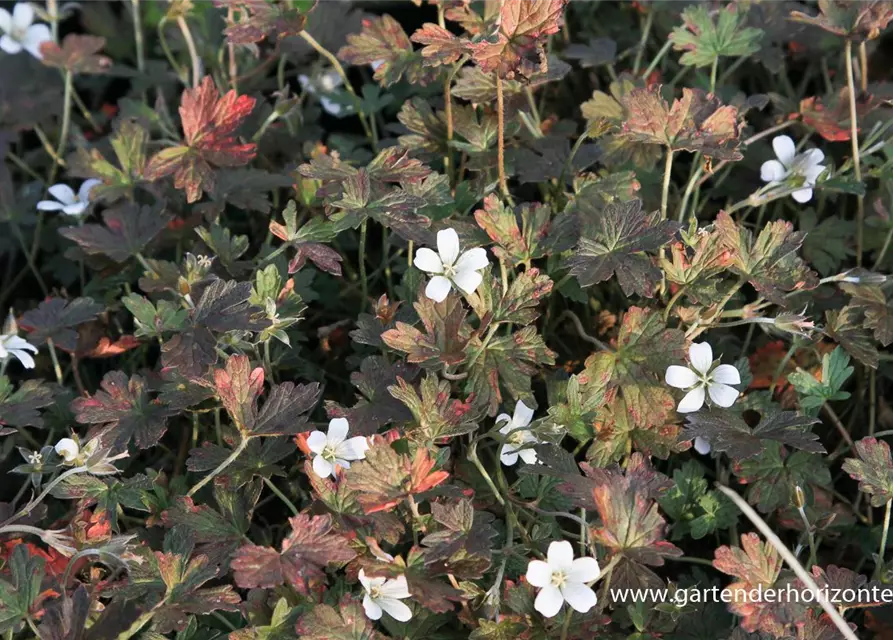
701,380
20,33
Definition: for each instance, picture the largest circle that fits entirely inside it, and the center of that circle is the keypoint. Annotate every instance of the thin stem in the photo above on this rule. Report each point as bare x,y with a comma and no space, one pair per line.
28,508
473,458
138,35
66,124
884,533
713,68
665,191
193,54
838,424
288,503
447,102
863,67
500,148
55,358
223,465
162,40
328,55
854,139
657,58
364,285
231,53
567,623
791,560
646,32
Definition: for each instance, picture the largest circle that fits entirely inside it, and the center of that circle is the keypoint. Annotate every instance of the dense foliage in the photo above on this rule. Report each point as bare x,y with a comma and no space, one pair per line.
446,320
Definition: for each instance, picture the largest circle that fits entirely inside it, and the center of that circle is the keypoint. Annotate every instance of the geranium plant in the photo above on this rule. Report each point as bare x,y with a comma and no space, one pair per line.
528,319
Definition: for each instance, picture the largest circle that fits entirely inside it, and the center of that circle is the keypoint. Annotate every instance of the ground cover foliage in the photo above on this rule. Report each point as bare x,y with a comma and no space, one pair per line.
445,319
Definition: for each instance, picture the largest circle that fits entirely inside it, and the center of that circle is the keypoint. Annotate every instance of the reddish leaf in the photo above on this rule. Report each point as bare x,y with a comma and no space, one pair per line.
384,42
446,333
238,388
386,478
309,547
517,44
829,123
755,564
442,47
209,124
855,20
125,410
259,19
78,54
873,469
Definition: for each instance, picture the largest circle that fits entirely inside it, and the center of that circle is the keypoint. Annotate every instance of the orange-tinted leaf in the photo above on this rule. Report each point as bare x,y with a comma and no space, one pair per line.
829,123
862,20
441,46
755,564
873,469
209,124
78,54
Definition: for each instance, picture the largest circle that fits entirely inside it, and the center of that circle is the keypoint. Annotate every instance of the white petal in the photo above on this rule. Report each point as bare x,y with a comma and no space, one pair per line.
528,455
784,149
473,260
10,45
338,428
773,171
549,601
811,174
373,611
330,106
680,377
352,449
67,448
23,356
560,555
700,354
5,21
395,588
448,246
75,209
22,15
523,414
692,401
427,260
539,574
702,446
50,205
726,374
802,195
394,608
63,193
86,188
35,36
507,419
316,442
579,596
438,288
508,455
366,582
304,81
815,156
584,570
330,80
16,342
722,395
468,281
322,467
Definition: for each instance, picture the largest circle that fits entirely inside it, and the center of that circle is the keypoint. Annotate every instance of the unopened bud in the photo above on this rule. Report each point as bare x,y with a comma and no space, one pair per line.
795,323
799,497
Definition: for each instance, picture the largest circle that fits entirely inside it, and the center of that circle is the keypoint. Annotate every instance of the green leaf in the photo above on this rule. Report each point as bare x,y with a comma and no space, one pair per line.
19,597
815,393
826,244
615,240
872,301
847,327
775,474
705,40
19,408
436,414
515,244
346,622
152,321
583,396
873,469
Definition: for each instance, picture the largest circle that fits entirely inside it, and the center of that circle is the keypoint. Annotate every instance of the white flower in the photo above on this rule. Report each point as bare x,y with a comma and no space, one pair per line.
69,203
335,450
385,595
19,32
68,449
518,439
562,579
702,446
325,83
449,267
11,345
702,378
807,165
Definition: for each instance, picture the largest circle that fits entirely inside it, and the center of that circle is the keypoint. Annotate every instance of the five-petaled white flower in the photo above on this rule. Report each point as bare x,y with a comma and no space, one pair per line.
385,595
334,450
68,449
67,201
450,268
519,439
12,345
19,32
326,82
562,579
703,379
807,166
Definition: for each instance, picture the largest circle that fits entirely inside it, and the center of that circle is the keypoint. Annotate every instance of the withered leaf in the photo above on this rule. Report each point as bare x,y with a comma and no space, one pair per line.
77,54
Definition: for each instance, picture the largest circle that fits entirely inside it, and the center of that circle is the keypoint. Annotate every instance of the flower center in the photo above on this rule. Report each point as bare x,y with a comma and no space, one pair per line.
18,34
558,579
449,270
329,454
516,438
375,593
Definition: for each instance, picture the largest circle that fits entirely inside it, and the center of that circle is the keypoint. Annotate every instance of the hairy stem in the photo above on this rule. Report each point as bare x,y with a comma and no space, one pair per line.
665,190
791,561
364,285
223,465
288,503
500,148
55,358
193,53
28,508
854,140
643,41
